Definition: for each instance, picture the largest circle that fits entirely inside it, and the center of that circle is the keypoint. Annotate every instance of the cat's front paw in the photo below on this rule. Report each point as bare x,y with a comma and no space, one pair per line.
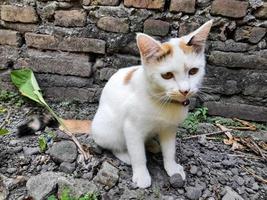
174,168
142,178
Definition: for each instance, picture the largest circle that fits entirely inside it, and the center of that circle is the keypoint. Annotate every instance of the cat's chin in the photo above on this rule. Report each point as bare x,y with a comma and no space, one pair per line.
185,102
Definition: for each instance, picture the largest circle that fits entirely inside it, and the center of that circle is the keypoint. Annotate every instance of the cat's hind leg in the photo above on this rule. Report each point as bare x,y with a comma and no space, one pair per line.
123,156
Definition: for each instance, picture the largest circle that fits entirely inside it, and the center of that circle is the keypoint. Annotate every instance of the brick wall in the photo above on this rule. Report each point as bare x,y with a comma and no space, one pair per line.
74,46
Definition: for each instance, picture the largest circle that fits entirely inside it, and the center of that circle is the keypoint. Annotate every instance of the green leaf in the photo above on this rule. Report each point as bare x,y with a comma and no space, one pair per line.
26,82
4,132
42,143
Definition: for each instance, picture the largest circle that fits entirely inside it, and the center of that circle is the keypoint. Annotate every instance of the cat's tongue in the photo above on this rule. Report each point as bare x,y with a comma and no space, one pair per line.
186,102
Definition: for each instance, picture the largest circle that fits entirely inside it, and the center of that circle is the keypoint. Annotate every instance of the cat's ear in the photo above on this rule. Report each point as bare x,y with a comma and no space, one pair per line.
149,47
198,38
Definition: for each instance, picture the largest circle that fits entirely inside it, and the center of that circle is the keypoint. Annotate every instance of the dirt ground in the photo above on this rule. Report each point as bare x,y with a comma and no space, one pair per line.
213,170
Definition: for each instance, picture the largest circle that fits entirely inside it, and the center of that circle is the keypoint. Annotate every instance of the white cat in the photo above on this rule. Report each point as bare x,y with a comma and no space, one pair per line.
141,102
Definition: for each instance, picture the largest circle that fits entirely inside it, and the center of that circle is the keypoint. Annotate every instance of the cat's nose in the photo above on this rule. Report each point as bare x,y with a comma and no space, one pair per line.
184,92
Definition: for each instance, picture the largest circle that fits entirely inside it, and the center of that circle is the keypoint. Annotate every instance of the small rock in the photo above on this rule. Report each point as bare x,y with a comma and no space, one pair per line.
199,173
177,181
13,142
11,170
67,167
193,193
229,163
28,151
230,194
240,181
3,187
63,151
40,186
234,171
108,175
255,186
193,169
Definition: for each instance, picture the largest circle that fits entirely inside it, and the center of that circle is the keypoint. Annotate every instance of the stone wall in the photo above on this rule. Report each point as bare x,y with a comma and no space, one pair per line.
75,46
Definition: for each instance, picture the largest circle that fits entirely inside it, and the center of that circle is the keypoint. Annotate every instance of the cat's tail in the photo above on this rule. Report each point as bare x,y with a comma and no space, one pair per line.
38,123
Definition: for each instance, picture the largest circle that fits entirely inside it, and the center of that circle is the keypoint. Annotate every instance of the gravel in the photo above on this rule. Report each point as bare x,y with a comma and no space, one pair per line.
212,171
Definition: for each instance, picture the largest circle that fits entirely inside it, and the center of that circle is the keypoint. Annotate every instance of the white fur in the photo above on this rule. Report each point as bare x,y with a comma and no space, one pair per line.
129,114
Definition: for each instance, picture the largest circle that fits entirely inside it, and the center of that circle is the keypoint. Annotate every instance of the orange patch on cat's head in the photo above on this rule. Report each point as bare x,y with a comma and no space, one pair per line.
165,50
129,76
186,48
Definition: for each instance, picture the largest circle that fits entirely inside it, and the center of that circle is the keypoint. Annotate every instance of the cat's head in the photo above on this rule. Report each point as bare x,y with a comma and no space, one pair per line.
174,69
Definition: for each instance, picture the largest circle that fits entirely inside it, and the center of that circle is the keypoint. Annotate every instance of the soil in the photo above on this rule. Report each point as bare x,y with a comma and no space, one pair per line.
213,170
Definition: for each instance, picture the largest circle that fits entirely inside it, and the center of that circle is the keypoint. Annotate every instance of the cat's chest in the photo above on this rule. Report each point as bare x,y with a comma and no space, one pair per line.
165,115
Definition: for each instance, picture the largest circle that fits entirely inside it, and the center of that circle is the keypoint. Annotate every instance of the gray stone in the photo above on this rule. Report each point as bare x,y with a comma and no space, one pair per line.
72,94
71,44
70,18
7,56
238,60
238,110
255,186
230,46
112,24
106,73
240,181
28,151
67,167
193,193
229,8
262,11
255,3
3,187
205,128
54,80
20,27
156,27
231,87
249,33
78,187
177,181
106,2
48,11
8,37
56,63
63,151
108,175
11,170
230,194
193,169
187,6
45,184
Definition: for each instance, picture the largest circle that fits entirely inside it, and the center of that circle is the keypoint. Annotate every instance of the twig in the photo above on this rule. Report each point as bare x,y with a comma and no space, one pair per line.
85,155
207,134
253,174
258,148
6,119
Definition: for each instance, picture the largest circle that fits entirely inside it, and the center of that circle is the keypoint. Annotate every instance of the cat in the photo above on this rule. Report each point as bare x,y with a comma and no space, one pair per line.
142,102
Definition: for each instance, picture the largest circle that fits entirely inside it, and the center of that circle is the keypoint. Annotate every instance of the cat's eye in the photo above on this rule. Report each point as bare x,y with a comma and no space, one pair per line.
193,71
167,75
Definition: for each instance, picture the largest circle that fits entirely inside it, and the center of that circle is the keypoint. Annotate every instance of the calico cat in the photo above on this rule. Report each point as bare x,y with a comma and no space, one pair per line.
141,102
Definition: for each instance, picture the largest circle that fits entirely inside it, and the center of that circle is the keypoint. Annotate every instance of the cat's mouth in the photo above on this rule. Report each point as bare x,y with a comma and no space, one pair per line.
184,103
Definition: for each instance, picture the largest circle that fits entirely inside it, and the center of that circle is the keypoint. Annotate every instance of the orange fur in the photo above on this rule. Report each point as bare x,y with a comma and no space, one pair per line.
167,49
77,126
129,76
185,48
